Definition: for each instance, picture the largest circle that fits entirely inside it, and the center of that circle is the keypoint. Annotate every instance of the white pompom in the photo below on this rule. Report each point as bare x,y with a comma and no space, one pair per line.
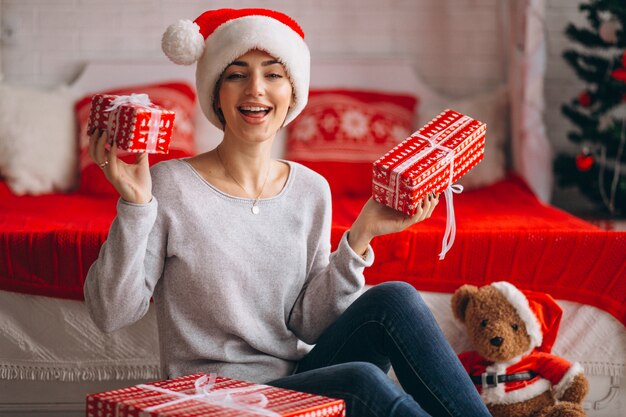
183,43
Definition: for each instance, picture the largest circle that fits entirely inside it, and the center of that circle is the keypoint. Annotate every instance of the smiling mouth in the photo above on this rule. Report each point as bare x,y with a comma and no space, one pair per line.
254,111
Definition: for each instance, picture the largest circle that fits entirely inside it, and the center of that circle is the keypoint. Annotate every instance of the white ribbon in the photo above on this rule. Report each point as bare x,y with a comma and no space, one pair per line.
244,400
451,189
398,170
450,234
141,100
138,99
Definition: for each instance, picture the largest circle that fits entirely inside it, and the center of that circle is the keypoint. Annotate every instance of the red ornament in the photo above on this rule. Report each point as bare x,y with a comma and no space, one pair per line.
584,161
620,73
584,99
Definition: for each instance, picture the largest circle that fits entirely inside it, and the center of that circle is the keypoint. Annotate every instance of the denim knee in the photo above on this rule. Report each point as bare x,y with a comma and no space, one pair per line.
394,293
395,288
362,374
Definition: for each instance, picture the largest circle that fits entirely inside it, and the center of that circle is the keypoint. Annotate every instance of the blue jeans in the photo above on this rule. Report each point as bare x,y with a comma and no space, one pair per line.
389,325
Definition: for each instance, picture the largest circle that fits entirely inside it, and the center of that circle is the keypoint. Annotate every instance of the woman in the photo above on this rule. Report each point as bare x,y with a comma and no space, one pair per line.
235,247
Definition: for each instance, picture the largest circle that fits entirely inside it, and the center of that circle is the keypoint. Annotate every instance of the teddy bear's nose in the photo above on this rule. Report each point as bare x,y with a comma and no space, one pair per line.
497,341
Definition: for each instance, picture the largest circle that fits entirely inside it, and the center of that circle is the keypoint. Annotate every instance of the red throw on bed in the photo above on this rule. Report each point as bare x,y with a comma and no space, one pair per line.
47,244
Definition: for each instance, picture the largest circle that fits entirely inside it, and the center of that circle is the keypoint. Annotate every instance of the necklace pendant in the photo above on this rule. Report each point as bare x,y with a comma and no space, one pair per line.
255,209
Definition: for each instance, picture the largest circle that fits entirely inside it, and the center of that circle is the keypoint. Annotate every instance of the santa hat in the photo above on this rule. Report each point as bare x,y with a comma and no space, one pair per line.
218,37
539,312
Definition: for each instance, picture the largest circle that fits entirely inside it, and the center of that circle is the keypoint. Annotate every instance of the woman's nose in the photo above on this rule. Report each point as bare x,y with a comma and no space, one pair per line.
256,86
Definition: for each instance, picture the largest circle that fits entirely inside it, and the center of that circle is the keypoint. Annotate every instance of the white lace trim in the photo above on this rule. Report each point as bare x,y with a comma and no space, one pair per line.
74,373
604,368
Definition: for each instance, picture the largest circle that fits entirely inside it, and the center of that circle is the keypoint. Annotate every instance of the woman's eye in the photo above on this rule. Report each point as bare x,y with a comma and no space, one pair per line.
483,323
274,75
235,76
514,326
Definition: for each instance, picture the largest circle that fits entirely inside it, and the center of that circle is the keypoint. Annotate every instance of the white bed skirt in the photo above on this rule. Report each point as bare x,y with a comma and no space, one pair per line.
47,339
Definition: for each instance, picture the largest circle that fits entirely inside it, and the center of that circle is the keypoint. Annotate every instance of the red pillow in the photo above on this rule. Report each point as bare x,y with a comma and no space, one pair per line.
341,132
177,96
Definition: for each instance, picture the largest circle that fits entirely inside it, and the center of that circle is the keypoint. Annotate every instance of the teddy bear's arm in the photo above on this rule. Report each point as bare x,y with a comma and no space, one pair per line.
567,378
577,390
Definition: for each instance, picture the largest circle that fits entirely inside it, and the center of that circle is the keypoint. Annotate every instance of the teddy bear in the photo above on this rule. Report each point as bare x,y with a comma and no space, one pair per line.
512,332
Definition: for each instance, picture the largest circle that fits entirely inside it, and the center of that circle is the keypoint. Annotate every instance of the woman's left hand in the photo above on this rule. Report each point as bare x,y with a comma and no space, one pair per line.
377,219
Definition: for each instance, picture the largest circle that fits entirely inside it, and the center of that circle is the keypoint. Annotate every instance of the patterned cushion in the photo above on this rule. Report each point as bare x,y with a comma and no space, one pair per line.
341,132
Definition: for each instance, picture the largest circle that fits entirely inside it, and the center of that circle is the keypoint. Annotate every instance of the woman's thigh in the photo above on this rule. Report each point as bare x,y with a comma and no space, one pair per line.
391,325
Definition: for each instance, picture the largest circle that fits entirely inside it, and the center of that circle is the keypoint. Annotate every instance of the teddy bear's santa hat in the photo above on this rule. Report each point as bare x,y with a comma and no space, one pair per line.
539,312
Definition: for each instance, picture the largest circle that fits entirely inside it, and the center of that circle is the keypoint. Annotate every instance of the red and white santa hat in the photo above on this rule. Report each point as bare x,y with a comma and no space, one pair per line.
539,312
218,37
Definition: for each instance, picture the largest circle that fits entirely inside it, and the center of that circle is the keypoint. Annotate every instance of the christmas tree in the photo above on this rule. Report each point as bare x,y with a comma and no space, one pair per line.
599,111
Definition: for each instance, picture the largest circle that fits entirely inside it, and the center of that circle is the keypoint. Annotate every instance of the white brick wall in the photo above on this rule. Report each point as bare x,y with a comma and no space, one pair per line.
456,45
47,41
1,33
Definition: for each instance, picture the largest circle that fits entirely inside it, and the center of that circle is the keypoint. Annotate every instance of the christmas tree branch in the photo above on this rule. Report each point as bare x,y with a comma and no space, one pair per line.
585,36
587,68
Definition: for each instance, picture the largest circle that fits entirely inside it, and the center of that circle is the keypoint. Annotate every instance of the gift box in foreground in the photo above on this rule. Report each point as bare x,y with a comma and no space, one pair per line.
210,395
135,124
430,160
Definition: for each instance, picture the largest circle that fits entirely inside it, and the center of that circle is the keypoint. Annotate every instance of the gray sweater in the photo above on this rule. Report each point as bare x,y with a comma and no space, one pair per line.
235,293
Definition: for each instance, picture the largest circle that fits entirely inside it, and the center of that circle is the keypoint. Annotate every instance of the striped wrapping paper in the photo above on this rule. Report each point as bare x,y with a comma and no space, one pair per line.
133,126
430,160
210,395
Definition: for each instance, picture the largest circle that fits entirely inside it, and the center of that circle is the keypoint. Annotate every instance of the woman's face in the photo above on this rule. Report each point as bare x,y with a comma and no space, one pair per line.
254,96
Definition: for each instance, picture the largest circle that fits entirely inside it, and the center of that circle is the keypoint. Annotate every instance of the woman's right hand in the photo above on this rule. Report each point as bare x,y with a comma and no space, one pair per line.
132,181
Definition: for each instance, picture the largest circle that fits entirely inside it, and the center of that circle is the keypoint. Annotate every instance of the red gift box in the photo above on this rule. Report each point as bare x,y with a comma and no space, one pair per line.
430,160
210,395
135,124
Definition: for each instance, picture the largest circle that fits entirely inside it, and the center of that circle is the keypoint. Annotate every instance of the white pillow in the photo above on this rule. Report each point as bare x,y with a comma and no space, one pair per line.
38,151
491,108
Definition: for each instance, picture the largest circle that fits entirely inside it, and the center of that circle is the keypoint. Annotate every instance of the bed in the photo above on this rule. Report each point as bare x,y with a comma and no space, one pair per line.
51,354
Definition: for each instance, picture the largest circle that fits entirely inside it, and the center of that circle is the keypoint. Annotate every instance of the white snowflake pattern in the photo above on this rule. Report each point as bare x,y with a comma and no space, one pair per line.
307,128
380,128
329,122
354,123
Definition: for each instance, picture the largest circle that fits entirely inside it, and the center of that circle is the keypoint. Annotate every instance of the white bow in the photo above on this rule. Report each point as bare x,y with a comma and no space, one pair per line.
138,99
246,401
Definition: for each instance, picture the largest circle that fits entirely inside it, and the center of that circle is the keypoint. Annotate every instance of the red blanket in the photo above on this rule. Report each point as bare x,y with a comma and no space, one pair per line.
47,244
503,233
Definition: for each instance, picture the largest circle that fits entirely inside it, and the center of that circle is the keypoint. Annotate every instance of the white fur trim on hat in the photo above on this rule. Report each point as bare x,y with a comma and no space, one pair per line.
238,36
520,302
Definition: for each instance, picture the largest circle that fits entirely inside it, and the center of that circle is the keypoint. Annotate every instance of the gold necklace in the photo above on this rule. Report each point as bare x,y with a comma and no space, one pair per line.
255,208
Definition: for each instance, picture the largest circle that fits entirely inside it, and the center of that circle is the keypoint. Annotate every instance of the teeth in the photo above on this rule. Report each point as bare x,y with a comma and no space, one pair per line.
254,108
